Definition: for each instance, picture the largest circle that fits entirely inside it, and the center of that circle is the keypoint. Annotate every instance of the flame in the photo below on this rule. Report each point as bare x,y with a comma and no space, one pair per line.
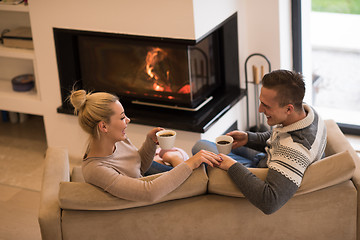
185,89
161,81
152,58
157,87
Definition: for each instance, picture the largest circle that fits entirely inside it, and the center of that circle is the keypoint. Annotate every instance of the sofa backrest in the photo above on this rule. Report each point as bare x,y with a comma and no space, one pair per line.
84,196
337,142
324,173
338,166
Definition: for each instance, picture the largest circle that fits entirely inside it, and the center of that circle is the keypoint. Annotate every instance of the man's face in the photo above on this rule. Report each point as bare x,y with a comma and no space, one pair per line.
270,107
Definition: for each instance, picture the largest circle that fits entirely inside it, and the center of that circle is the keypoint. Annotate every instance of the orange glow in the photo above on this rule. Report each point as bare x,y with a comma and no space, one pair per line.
157,87
185,89
161,83
152,58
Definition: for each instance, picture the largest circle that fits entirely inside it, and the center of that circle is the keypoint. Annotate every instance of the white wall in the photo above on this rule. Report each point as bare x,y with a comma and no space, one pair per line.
209,13
264,27
259,31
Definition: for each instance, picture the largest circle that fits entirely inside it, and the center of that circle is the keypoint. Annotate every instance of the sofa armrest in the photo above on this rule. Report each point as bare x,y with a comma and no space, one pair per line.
337,142
56,170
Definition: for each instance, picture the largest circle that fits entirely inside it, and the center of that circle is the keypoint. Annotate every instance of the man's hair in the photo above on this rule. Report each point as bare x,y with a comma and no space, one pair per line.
289,85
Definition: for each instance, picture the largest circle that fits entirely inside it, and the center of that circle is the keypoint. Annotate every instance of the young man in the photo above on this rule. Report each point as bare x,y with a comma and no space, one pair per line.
297,140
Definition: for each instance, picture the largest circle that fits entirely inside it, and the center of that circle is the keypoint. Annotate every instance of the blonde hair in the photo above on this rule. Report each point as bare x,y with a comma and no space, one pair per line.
92,108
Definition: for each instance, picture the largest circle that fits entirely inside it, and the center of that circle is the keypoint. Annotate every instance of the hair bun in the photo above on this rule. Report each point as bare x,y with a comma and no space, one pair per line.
78,99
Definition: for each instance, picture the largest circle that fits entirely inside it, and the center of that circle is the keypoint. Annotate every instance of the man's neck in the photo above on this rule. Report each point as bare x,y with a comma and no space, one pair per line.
295,117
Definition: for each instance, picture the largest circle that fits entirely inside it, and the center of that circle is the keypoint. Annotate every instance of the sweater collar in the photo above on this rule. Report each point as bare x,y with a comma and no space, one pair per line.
303,123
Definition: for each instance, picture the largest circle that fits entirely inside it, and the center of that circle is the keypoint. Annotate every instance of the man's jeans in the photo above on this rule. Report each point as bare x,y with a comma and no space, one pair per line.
246,156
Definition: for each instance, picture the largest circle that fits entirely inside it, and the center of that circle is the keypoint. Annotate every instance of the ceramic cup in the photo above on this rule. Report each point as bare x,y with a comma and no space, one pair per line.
224,144
166,139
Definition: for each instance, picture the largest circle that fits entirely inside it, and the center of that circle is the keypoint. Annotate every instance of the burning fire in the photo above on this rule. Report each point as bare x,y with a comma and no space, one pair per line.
158,70
157,87
153,57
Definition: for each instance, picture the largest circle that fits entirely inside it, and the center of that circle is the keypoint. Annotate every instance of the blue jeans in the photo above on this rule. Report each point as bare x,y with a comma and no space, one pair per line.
157,168
246,156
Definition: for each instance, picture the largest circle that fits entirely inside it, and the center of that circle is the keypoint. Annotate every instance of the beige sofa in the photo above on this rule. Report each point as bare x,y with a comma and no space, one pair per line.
207,206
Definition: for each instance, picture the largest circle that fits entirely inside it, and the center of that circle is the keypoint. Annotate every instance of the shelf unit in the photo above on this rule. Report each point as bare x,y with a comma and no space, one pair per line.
17,61
14,7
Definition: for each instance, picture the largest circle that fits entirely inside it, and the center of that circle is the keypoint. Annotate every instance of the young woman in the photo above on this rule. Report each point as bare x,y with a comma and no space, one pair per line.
114,164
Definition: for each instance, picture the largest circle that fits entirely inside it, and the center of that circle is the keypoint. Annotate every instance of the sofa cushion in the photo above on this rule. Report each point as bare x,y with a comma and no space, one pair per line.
84,196
76,175
337,142
324,173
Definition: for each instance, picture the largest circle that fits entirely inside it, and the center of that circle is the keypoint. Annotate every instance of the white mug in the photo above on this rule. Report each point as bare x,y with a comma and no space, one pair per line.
166,139
224,144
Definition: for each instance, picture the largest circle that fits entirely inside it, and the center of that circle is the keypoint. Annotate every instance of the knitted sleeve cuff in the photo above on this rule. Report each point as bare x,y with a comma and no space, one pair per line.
252,137
237,171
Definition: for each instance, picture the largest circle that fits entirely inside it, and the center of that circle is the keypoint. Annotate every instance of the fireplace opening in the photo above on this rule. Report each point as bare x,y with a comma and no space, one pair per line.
149,70
200,76
141,69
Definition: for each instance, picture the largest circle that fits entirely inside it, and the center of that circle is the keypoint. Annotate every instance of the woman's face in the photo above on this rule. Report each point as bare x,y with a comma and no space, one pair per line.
118,123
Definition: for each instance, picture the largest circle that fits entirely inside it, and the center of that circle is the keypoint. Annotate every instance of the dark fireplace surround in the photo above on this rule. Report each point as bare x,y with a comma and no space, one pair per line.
192,83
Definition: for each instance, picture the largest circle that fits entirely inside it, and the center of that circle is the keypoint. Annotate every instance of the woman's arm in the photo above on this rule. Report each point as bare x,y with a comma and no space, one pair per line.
147,153
135,189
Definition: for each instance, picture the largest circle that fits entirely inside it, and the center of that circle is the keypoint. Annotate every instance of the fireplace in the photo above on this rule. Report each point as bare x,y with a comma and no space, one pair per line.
193,79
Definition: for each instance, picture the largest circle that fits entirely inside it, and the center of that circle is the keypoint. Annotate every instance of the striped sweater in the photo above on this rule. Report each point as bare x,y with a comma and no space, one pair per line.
290,150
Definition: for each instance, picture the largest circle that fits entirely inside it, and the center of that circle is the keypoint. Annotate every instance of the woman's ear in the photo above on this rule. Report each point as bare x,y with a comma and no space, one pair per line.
102,126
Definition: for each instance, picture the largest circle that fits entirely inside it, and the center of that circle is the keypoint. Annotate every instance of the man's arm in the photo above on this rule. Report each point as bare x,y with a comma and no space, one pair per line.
257,141
269,195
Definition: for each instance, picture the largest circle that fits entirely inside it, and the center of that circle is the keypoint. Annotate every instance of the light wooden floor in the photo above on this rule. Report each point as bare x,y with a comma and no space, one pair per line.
22,149
18,213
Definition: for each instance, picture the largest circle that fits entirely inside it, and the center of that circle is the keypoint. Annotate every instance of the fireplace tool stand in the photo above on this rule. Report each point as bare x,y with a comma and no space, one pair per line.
259,127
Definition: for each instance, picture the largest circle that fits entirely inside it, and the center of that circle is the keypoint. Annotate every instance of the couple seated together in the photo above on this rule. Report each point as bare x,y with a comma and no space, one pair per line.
296,140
